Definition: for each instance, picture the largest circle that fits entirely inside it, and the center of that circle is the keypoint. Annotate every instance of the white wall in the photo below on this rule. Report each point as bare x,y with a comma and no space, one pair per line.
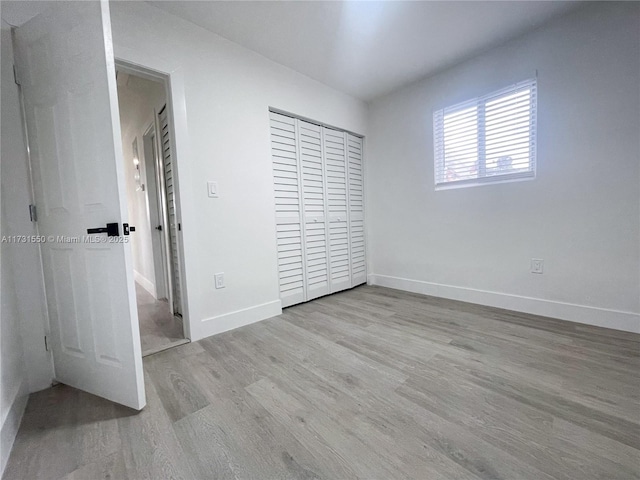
23,317
581,215
13,376
137,101
227,92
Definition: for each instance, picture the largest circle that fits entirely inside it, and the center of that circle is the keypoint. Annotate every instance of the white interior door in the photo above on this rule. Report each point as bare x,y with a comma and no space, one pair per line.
356,210
66,68
338,206
313,192
289,210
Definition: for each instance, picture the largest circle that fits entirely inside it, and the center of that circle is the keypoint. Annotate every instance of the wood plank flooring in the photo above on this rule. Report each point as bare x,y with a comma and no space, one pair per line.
159,329
370,383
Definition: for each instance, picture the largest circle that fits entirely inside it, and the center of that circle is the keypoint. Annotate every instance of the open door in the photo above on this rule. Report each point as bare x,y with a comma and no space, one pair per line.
65,66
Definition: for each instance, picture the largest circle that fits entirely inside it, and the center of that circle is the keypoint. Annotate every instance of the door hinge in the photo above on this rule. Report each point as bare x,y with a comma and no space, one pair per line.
16,77
33,214
46,343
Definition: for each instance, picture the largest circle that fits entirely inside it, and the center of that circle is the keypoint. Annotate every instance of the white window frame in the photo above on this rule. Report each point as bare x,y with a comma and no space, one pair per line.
482,178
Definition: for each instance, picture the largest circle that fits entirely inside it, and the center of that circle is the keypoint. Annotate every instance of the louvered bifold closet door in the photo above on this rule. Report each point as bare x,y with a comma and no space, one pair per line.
289,209
337,209
315,227
356,210
169,181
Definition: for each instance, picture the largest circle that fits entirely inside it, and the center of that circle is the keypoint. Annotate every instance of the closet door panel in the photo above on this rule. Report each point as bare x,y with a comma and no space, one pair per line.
315,238
169,182
289,209
356,210
337,209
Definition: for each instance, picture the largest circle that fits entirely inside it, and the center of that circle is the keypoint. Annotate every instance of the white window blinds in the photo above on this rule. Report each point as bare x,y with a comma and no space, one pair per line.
487,139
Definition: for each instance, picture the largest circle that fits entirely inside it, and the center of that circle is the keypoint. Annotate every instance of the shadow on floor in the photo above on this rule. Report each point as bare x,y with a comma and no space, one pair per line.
63,406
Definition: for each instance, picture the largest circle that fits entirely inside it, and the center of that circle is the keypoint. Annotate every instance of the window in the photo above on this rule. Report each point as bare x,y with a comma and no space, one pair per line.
487,139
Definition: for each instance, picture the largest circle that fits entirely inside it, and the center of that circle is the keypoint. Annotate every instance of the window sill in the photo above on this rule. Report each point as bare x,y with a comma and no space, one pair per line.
477,182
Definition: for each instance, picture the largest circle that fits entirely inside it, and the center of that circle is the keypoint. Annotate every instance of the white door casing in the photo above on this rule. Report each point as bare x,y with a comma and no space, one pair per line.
64,59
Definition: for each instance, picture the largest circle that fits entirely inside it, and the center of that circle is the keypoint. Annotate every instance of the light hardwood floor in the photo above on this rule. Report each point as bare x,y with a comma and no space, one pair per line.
159,329
370,383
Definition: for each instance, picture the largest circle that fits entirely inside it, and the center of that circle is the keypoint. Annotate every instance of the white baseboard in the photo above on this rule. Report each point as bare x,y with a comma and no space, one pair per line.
600,317
11,424
239,318
145,283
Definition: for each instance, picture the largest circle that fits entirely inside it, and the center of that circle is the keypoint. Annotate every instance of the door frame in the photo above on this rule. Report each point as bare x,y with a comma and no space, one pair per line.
156,69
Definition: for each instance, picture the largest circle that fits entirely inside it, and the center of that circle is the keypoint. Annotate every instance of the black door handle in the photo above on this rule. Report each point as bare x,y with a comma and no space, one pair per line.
111,230
159,228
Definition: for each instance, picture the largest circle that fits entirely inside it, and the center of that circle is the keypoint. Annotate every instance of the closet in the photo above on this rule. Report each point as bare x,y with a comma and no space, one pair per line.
318,184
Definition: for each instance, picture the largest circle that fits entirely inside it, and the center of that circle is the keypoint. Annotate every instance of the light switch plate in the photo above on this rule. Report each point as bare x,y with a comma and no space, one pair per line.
212,189
219,277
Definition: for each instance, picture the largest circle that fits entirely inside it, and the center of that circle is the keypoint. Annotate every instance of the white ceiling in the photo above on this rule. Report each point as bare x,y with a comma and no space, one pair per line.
363,48
367,48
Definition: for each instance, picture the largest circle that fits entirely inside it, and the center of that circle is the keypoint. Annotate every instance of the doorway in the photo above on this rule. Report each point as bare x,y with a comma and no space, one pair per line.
151,191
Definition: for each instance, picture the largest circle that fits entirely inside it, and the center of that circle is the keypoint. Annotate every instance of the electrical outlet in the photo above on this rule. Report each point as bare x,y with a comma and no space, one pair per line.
219,280
537,265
